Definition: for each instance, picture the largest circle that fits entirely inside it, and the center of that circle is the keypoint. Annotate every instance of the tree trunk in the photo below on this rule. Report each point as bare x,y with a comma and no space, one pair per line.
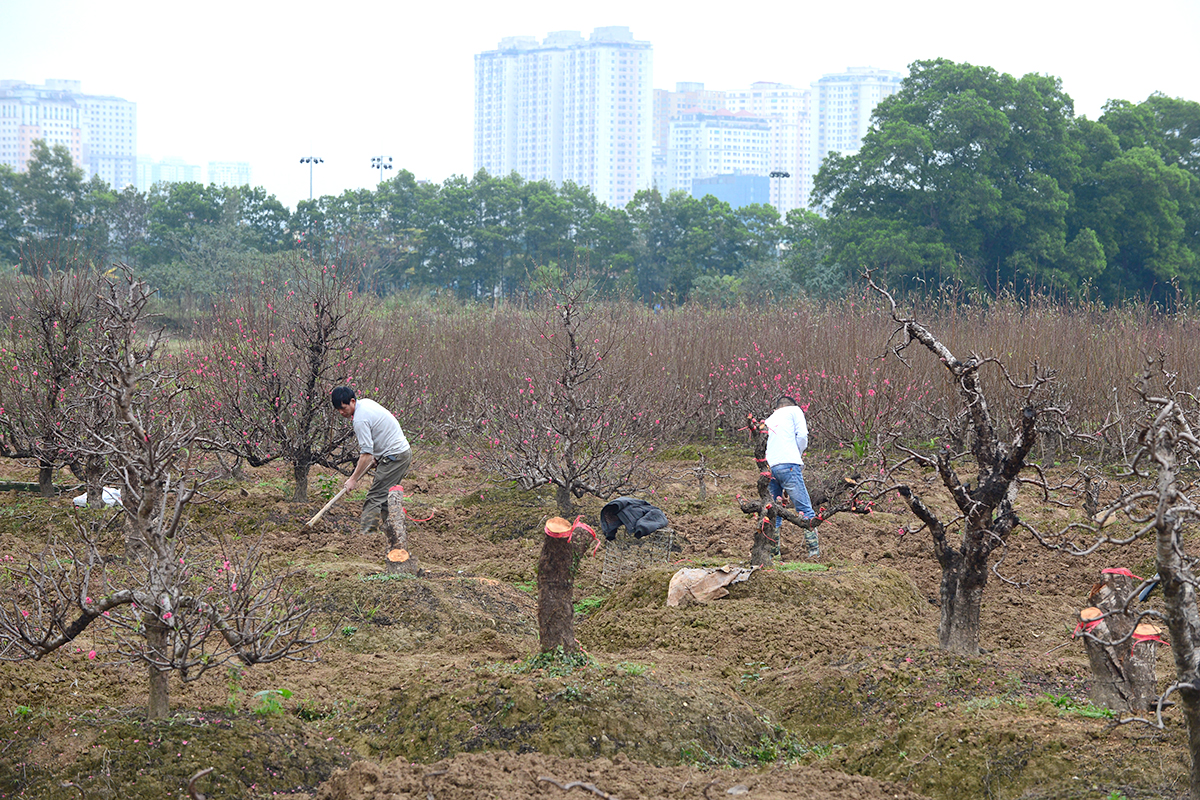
46,479
562,498
93,477
766,542
1122,675
1190,702
300,475
556,585
962,597
157,705
765,546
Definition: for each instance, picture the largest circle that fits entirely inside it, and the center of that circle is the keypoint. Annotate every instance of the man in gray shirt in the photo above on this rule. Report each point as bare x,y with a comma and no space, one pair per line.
381,441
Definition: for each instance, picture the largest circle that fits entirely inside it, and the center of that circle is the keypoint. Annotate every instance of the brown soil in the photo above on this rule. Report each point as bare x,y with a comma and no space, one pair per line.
808,680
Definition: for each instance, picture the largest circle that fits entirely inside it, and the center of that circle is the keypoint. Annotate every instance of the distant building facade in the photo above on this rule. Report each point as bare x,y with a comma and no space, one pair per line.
667,106
787,110
99,132
229,173
168,170
705,144
568,109
842,104
737,190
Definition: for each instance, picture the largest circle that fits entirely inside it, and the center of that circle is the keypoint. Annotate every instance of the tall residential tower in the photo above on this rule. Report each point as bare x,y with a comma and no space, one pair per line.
842,105
787,109
568,109
99,132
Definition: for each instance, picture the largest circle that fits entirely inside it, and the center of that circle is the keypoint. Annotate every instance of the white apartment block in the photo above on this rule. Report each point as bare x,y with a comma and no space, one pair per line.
169,170
667,106
842,105
99,132
786,108
705,144
568,109
229,173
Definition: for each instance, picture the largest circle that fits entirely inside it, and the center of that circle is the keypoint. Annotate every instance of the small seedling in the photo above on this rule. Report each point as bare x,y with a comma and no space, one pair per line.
270,701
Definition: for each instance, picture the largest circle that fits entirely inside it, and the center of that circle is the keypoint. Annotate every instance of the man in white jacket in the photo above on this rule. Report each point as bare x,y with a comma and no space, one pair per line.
787,439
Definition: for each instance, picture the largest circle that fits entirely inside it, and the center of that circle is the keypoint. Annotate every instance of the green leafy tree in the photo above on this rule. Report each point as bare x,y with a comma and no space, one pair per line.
404,206
51,191
11,223
966,172
807,255
130,223
1169,126
1144,213
1143,199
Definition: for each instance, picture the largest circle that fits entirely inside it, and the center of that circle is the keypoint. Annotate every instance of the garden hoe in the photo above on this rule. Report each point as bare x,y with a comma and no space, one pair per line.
321,513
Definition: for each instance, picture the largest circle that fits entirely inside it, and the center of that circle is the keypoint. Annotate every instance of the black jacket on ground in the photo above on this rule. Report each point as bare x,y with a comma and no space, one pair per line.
639,517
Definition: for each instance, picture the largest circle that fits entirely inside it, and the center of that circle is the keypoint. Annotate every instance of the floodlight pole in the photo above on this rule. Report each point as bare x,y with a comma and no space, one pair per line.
381,163
310,160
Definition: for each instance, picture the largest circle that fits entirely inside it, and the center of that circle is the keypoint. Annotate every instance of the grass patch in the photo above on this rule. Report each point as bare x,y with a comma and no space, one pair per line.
630,668
385,577
801,566
554,663
1068,705
588,604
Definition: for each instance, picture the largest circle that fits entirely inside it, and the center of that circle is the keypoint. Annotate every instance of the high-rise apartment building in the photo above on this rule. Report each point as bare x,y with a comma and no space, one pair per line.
229,173
169,170
786,108
99,132
706,144
842,105
568,109
667,106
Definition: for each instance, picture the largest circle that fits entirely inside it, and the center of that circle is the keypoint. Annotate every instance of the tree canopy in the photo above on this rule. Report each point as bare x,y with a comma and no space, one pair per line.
966,175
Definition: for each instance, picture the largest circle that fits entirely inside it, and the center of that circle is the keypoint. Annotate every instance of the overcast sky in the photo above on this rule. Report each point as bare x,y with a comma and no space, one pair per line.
269,82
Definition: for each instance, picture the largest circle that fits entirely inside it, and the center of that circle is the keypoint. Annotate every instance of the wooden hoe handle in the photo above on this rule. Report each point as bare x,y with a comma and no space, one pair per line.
320,513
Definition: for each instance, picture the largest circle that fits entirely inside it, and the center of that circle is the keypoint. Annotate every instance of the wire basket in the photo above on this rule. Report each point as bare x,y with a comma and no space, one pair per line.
625,555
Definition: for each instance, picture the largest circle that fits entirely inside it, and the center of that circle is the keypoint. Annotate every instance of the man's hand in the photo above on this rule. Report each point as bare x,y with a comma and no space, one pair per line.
365,462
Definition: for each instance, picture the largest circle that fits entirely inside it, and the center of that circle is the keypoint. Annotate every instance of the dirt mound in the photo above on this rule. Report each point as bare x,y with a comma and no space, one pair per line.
832,665
534,775
440,707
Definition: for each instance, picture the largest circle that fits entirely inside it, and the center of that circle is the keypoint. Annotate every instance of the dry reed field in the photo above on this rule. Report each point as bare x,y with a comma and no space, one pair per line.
700,370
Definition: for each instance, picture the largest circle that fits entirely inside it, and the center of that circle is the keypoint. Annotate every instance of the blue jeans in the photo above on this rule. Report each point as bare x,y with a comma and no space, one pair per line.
790,477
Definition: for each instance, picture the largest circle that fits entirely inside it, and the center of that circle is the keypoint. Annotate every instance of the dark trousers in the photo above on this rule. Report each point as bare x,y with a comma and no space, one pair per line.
389,471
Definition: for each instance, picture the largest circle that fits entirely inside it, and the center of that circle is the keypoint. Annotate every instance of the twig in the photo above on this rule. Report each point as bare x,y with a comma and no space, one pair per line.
193,792
1058,647
591,787
427,776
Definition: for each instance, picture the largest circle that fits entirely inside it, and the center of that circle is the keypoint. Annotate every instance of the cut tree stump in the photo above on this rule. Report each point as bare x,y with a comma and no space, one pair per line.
399,558
562,552
1122,673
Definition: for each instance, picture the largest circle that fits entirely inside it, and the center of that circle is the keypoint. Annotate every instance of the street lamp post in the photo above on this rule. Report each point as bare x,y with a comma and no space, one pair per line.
381,163
778,173
310,160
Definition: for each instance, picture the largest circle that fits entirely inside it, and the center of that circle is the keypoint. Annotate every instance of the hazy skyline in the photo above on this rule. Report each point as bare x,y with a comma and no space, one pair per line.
268,82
